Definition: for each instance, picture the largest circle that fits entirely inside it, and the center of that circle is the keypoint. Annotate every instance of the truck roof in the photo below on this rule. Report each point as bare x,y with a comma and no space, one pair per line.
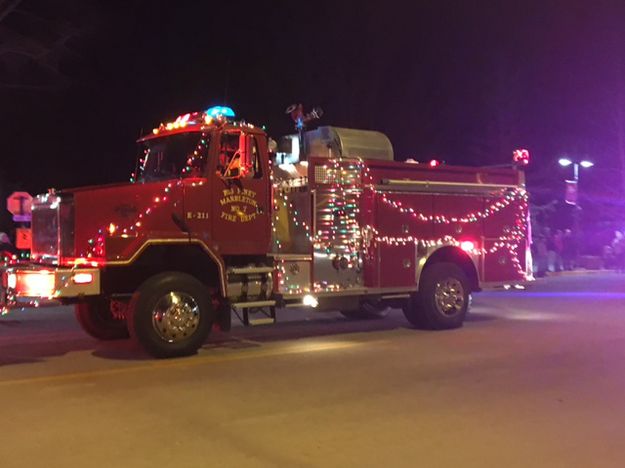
198,122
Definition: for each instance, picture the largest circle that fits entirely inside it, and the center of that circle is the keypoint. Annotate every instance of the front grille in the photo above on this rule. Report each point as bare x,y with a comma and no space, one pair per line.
52,228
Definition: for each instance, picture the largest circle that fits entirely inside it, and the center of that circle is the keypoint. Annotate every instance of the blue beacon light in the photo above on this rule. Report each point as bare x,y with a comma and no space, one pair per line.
217,111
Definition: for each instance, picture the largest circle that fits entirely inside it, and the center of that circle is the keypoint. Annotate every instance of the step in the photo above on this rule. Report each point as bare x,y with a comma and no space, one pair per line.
247,305
261,321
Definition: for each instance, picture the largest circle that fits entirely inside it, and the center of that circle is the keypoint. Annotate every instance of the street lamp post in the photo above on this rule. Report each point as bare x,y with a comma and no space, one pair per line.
565,162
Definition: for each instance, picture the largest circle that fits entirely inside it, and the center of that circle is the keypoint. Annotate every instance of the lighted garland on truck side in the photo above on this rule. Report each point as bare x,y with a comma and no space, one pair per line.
494,207
335,175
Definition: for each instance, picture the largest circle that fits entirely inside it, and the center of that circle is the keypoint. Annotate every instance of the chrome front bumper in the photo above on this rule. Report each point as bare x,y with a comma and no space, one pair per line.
32,285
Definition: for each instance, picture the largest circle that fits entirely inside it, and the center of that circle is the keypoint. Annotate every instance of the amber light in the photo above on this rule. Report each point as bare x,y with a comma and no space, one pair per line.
35,283
81,261
82,278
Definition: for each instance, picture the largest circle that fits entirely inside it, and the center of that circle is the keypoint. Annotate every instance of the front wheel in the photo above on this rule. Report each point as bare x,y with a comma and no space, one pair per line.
95,317
171,315
442,300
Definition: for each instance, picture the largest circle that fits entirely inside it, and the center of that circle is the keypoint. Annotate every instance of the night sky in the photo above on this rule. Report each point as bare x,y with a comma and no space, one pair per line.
465,82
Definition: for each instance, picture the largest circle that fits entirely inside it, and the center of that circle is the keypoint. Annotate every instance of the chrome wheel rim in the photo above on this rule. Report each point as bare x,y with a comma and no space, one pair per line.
175,316
449,296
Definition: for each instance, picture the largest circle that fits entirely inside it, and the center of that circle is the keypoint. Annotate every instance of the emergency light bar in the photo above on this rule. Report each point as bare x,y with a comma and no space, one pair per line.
220,111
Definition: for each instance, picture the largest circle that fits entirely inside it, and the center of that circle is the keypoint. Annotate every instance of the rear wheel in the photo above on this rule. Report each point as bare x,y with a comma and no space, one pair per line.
95,317
442,300
171,315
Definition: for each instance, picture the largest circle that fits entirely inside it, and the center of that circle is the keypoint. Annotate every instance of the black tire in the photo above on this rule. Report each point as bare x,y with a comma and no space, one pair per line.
157,330
449,311
95,317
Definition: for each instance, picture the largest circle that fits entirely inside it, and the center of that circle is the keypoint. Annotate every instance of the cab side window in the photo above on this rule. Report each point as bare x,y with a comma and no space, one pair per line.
239,157
227,165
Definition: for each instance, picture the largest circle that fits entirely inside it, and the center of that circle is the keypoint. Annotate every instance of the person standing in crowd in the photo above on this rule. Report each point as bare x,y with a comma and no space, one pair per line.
568,250
540,255
551,251
618,250
5,245
558,247
608,257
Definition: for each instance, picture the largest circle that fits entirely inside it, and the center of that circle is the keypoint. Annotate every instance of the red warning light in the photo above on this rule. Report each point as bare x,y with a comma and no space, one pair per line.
434,163
467,246
521,157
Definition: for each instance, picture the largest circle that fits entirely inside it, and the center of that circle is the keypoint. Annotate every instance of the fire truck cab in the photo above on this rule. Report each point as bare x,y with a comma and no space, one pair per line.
216,219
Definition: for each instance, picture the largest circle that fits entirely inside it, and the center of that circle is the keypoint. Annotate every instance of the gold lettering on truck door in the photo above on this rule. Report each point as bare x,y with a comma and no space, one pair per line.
238,205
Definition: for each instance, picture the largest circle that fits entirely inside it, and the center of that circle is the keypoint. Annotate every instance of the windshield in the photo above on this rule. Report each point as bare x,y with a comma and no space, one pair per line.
181,155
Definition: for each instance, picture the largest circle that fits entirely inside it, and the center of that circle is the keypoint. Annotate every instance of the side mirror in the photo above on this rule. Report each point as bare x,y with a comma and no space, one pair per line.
245,152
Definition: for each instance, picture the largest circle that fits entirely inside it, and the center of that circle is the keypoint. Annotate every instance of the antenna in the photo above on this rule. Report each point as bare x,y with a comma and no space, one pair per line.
296,111
227,81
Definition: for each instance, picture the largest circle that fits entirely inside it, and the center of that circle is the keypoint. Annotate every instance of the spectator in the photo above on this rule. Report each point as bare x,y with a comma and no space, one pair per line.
540,252
618,249
551,250
5,245
568,250
558,248
608,257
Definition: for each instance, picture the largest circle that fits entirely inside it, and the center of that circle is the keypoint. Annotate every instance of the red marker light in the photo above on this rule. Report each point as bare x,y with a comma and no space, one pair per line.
467,246
434,163
521,157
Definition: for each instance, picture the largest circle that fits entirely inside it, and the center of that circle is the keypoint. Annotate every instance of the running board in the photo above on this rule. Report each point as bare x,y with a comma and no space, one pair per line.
247,305
250,270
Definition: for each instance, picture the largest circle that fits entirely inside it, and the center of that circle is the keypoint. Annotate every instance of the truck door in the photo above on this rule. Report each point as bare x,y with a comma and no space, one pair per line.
241,222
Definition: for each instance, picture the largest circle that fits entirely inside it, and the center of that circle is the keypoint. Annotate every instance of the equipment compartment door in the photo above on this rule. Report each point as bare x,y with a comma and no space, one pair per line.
241,195
505,231
337,249
503,263
397,265
402,220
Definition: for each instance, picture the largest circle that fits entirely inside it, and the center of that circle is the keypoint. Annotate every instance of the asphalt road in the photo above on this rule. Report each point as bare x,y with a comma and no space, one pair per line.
536,378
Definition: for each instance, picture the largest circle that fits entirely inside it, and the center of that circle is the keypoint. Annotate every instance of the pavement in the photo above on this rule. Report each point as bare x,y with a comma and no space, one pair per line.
580,271
535,378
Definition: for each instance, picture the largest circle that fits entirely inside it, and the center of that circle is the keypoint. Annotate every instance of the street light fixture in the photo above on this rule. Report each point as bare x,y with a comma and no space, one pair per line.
565,162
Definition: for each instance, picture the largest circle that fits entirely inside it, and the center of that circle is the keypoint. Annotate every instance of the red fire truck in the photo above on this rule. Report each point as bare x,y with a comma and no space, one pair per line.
219,218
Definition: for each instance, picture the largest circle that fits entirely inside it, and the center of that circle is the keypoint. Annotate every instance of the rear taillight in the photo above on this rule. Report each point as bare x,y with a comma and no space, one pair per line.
36,283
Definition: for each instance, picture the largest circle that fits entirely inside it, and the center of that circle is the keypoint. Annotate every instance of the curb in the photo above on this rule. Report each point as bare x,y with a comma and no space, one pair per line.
577,272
